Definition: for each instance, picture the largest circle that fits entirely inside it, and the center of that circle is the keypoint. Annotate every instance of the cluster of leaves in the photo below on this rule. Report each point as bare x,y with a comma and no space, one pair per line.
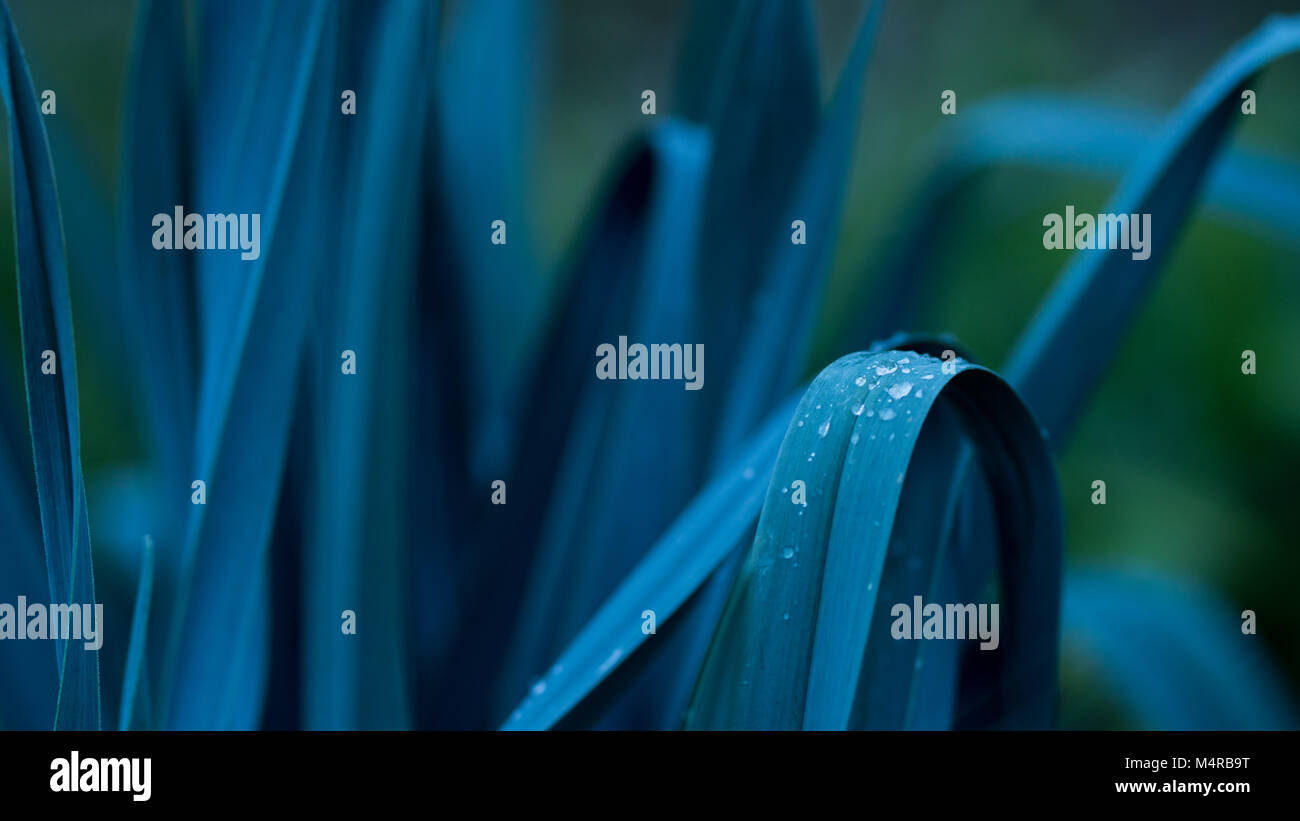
368,492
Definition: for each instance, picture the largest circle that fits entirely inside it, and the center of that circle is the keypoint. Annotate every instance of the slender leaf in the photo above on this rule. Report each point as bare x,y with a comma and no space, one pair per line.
135,683
777,335
1173,651
354,560
45,314
793,649
1079,326
617,449
708,530
215,671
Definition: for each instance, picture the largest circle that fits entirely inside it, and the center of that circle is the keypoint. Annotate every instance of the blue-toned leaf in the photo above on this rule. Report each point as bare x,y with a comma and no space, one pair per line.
157,295
749,75
486,84
805,640
715,525
1081,323
135,712
1174,652
29,683
777,334
354,558
215,666
618,486
45,314
1255,190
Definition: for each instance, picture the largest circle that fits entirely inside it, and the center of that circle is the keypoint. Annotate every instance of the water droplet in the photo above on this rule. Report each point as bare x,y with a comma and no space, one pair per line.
854,439
539,688
557,669
887,414
907,370
900,390
787,553
928,376
612,660
858,410
904,361
825,428
881,370
918,395
801,423
787,616
819,407
860,381
811,455
747,474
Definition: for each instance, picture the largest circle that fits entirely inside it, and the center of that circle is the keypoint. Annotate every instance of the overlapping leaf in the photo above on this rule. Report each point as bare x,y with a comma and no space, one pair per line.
45,312
215,665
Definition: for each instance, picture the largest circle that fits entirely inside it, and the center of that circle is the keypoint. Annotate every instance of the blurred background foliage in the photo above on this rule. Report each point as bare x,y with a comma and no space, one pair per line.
1199,461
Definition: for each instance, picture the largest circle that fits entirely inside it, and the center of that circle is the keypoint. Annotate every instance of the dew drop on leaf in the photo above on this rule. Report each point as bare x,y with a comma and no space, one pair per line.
613,658
900,390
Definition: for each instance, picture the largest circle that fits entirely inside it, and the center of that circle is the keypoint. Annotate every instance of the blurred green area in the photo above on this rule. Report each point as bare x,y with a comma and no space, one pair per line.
1197,457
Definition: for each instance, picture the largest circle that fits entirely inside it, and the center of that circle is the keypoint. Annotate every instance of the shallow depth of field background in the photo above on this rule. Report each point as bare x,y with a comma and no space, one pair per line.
1199,460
